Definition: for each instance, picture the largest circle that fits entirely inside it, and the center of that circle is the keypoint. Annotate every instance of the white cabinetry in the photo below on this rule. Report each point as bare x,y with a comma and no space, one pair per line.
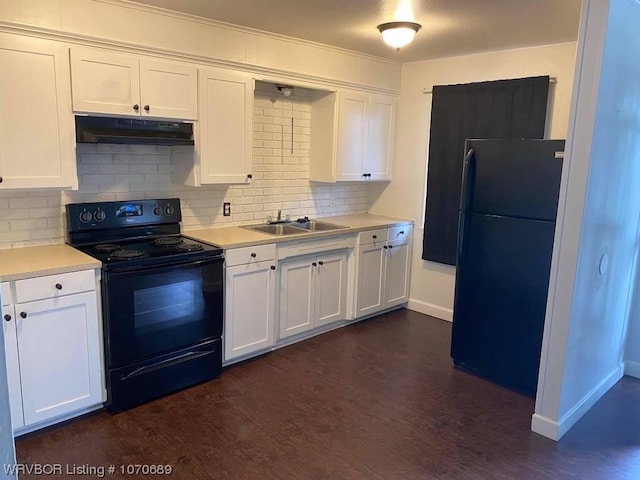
353,136
118,84
53,347
250,297
351,139
11,354
383,266
36,125
313,291
225,129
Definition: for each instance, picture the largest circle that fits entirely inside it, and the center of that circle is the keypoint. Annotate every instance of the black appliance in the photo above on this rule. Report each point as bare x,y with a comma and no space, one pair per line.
162,297
507,219
132,131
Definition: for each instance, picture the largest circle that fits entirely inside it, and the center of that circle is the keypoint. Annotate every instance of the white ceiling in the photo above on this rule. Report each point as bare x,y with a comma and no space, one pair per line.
449,27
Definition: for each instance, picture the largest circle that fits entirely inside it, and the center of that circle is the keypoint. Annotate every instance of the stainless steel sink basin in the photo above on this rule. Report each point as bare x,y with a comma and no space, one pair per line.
314,225
293,228
280,229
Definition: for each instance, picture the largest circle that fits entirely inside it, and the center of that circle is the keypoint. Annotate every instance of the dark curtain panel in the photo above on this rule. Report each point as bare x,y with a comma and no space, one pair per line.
501,109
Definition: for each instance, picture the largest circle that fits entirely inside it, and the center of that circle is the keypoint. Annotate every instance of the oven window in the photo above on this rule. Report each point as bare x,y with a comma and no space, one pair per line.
157,310
166,306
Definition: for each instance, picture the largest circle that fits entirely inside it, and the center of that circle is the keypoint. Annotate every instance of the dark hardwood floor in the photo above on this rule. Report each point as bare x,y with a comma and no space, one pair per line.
375,400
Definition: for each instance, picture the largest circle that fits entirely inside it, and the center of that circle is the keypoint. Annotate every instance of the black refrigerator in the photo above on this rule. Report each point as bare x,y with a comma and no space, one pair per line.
507,220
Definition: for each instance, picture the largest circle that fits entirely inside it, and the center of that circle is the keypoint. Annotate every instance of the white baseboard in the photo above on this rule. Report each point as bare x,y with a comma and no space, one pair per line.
555,430
431,309
544,426
632,369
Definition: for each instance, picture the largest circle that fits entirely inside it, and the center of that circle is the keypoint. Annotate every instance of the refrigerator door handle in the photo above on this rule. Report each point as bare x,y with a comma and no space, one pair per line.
467,174
466,179
460,238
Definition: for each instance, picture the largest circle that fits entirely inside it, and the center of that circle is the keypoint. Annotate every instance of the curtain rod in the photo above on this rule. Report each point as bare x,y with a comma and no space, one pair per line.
551,80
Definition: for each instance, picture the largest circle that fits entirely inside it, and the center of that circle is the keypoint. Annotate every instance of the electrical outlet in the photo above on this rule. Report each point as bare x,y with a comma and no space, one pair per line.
332,202
226,209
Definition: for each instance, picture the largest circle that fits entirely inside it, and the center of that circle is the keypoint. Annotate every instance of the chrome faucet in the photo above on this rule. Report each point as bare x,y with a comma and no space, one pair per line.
279,215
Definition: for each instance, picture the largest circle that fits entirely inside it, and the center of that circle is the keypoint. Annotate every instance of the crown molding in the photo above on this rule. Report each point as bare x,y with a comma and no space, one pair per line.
240,29
311,81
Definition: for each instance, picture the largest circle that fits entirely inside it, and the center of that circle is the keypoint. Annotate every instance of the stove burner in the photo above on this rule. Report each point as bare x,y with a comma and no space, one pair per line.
106,248
167,241
127,254
189,247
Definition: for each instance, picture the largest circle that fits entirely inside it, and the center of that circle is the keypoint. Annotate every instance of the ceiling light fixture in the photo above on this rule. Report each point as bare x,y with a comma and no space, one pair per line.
285,90
398,34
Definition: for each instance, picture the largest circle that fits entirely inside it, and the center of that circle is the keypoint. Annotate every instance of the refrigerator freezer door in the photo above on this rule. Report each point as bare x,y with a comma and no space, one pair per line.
500,299
516,178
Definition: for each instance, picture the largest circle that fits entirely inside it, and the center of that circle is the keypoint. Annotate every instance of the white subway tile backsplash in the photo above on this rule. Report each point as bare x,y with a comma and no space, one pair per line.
129,172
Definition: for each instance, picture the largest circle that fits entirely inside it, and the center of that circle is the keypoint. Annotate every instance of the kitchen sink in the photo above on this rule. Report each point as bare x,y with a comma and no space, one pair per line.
279,229
293,228
314,225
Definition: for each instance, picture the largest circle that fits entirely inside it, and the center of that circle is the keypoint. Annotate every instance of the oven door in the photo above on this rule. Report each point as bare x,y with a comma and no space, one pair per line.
152,311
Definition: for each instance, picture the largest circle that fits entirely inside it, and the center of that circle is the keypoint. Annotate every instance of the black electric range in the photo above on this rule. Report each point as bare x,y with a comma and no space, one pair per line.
162,297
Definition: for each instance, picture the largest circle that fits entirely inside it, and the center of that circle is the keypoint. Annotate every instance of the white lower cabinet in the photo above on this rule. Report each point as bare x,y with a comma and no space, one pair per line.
370,279
396,274
52,345
250,299
383,258
13,368
313,291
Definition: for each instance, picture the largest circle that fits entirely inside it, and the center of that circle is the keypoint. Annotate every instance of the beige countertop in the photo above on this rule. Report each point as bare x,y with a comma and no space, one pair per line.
27,262
232,237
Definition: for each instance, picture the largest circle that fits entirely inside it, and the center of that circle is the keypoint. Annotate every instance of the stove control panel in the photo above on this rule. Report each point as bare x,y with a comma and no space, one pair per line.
102,215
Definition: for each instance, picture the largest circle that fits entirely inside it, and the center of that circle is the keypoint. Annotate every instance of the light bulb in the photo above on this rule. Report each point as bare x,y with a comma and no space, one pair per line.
398,34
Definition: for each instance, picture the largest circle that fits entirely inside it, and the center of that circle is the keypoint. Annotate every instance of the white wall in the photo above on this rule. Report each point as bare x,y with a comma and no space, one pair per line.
127,172
432,284
599,212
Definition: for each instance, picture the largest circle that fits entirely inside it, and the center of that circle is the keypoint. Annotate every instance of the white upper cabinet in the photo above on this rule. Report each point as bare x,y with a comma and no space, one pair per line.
105,82
226,126
168,90
352,137
36,125
118,84
380,137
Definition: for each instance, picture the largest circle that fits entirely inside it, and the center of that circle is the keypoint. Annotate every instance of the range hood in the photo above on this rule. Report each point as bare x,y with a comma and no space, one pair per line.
132,131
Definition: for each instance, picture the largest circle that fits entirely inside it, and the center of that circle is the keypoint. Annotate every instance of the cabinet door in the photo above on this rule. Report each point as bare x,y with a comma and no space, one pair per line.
13,369
351,143
36,146
168,90
331,289
105,82
370,279
59,352
297,296
225,127
397,274
249,309
380,137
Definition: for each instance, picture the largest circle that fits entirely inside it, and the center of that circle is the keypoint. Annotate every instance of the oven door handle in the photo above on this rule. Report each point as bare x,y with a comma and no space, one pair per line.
166,267
166,363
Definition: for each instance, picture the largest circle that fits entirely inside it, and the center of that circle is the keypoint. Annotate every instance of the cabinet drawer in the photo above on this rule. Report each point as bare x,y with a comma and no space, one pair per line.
54,286
372,236
7,299
399,234
259,253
